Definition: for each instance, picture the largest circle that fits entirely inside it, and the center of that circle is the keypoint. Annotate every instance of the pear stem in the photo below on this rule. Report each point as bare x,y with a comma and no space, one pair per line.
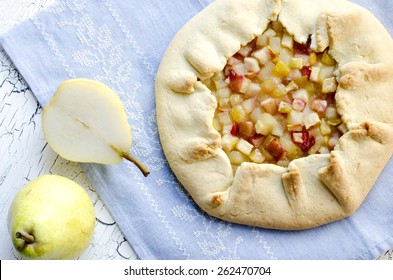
28,238
139,164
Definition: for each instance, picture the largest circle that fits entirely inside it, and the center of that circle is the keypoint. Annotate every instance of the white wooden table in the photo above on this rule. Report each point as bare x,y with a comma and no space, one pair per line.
24,153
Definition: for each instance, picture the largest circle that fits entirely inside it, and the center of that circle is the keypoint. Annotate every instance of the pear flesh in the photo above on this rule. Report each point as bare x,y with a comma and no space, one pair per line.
51,217
85,121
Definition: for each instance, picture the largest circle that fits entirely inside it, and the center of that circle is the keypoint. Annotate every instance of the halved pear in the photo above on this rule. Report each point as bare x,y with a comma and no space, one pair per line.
85,121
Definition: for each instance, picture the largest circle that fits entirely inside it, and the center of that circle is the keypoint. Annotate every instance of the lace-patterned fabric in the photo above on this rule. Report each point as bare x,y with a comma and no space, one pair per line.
120,43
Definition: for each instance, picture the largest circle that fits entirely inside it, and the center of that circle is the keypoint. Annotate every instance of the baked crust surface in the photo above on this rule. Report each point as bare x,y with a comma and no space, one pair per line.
312,190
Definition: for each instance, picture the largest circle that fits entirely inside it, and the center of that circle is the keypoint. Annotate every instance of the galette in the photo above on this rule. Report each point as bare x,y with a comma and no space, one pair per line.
278,114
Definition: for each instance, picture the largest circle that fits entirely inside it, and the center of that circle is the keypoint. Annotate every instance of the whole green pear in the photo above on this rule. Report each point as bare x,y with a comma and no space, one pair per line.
51,217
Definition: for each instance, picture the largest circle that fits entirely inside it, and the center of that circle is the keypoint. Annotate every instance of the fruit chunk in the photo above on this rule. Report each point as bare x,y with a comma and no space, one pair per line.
275,149
265,124
314,75
246,129
319,106
281,69
237,158
257,140
238,83
284,107
327,59
296,63
298,104
310,120
244,147
253,89
325,128
306,71
256,156
301,94
85,122
287,41
251,64
228,142
295,118
264,55
270,105
238,114
250,104
329,85
235,129
303,139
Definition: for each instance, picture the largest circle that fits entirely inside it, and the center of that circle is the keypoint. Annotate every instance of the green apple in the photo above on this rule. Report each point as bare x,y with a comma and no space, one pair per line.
51,217
85,121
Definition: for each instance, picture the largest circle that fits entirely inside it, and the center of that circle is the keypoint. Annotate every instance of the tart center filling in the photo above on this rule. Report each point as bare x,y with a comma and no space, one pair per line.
276,101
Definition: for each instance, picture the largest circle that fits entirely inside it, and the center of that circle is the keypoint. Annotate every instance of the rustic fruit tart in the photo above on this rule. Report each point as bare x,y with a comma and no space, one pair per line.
278,114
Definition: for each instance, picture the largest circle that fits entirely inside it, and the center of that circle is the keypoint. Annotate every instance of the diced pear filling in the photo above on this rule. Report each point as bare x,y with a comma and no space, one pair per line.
276,101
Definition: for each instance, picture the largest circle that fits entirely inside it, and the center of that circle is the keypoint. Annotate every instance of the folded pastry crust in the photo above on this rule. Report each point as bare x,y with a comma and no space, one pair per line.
312,190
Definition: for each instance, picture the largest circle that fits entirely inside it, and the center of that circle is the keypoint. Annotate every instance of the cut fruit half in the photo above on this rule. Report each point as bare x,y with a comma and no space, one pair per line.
85,121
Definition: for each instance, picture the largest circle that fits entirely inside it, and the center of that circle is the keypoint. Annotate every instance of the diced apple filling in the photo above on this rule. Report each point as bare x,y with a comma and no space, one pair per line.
276,101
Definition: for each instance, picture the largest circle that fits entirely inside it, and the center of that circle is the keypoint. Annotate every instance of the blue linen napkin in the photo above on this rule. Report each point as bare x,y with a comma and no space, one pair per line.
121,42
